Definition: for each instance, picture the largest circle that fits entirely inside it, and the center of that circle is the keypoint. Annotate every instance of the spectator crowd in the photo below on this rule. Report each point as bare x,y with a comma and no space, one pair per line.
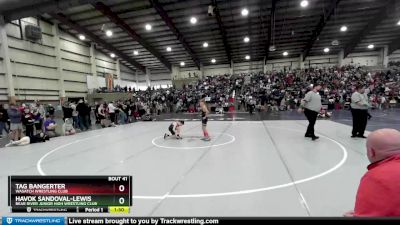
283,91
276,91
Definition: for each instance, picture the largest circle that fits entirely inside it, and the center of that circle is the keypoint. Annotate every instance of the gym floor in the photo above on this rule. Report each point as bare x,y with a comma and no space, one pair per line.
259,165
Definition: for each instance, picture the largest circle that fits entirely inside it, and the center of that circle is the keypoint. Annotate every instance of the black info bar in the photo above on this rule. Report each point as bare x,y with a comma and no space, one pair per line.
138,221
228,220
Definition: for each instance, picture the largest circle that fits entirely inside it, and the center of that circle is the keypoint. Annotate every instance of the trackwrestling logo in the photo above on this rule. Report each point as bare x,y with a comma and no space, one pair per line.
33,220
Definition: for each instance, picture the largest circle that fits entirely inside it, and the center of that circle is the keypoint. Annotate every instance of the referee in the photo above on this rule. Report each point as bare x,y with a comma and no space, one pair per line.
311,105
359,111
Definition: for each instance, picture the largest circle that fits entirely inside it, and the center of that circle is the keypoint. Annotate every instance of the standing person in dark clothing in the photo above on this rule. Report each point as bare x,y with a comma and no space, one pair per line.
102,114
28,121
37,117
67,111
83,115
251,105
96,112
134,112
42,114
51,109
311,105
359,111
88,113
15,122
117,111
125,110
3,120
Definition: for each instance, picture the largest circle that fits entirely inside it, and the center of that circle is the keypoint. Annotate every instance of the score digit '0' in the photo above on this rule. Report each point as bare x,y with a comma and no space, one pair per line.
121,200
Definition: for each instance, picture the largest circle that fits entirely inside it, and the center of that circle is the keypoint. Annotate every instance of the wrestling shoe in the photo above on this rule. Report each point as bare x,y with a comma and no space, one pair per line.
314,138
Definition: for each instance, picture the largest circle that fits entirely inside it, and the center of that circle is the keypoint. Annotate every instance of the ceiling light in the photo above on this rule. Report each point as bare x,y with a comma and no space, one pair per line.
304,3
247,57
148,27
371,46
213,60
343,29
285,53
245,12
326,50
205,44
246,39
109,33
193,20
112,55
398,23
169,49
136,52
82,37
182,63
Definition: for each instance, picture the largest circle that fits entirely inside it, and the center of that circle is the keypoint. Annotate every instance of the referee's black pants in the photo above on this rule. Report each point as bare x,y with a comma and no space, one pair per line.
312,118
360,118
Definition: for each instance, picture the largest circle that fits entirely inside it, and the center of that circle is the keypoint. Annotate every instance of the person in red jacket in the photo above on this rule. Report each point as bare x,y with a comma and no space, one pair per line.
378,194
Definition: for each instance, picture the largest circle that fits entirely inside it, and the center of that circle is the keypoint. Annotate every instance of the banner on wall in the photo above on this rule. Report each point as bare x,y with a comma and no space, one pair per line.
109,82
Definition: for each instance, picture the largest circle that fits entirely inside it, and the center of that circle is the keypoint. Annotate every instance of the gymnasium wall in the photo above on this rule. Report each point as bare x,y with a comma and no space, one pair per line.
281,64
35,75
75,65
212,70
357,59
160,78
216,70
105,65
34,65
248,67
394,57
320,61
372,58
128,77
187,72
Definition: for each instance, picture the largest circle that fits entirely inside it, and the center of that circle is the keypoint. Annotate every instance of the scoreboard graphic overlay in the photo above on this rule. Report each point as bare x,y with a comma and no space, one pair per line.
76,194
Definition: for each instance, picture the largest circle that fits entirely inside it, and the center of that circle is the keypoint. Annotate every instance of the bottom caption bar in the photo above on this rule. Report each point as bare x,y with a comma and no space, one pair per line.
140,221
10,220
